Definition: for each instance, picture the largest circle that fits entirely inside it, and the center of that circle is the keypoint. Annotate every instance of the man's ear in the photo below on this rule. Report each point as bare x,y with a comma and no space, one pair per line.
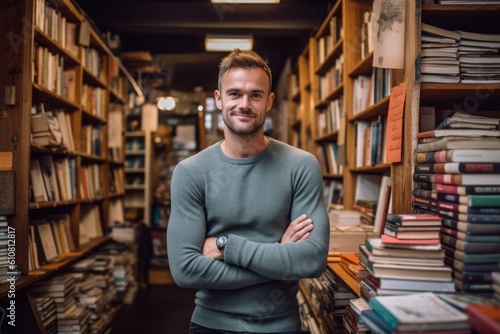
270,101
218,101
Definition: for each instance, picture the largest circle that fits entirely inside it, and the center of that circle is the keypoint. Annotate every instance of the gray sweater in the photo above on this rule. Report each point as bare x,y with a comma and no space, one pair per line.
252,200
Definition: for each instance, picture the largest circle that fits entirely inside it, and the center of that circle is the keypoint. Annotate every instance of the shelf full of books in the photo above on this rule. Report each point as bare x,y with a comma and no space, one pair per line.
63,137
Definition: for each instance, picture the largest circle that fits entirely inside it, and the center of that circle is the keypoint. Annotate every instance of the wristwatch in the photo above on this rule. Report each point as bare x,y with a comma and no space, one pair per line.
221,241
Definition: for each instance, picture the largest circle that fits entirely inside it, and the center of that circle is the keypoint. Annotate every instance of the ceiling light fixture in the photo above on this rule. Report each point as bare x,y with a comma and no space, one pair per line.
166,103
247,1
228,43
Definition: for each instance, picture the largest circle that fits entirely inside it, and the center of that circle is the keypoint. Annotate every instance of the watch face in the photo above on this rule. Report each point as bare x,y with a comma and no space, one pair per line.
221,241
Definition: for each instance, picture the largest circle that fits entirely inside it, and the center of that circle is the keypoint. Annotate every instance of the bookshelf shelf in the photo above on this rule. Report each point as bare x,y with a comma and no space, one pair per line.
50,74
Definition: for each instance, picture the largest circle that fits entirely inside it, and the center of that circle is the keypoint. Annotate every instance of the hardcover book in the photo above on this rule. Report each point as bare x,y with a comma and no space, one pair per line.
422,219
420,311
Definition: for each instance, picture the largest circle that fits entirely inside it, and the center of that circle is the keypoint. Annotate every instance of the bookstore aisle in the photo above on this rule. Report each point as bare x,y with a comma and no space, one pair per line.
156,309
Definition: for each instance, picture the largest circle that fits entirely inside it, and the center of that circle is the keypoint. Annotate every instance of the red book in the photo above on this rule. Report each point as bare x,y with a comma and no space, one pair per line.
387,239
484,318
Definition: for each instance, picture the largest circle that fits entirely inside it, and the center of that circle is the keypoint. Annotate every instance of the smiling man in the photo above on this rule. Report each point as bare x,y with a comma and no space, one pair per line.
248,218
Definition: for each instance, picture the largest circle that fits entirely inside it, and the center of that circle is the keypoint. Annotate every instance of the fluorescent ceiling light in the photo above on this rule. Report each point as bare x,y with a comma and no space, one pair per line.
246,1
228,43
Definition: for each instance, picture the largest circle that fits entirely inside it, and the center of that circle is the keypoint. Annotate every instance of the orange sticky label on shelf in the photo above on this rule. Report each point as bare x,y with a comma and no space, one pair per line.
5,160
394,133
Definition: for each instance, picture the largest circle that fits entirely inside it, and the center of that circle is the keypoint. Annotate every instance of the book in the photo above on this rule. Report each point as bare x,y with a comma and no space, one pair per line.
411,284
422,219
471,228
464,208
48,244
467,179
469,246
437,31
387,239
376,247
477,258
420,311
459,133
467,190
458,155
410,234
437,273
488,238
450,143
383,203
473,218
471,201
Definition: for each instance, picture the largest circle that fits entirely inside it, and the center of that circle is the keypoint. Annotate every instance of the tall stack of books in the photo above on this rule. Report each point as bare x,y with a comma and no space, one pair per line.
457,177
61,288
47,311
399,266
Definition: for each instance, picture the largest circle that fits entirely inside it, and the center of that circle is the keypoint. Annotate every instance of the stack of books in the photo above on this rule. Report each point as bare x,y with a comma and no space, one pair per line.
330,296
397,268
46,308
457,177
61,288
459,56
439,55
352,318
415,313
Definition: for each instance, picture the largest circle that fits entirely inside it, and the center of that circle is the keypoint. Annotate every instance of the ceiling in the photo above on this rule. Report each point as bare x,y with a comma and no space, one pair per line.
174,32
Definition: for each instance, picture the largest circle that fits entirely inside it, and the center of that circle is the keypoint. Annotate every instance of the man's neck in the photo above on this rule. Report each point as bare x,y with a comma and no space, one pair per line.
244,147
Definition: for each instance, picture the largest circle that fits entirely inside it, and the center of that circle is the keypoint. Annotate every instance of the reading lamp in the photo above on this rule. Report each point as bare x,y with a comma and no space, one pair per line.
228,43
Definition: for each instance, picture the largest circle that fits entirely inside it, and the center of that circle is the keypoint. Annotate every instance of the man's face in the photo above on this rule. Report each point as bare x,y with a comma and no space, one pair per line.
244,99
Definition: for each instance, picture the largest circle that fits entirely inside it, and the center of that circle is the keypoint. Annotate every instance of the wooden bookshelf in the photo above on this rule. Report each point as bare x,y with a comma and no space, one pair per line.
47,64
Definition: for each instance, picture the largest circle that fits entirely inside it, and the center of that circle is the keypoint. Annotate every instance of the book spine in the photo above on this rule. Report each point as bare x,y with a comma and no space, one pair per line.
479,218
422,193
466,190
472,267
425,168
475,277
479,167
417,177
379,308
484,201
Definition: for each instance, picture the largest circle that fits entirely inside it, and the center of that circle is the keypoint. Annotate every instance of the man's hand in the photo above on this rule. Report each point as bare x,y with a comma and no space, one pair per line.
210,249
299,229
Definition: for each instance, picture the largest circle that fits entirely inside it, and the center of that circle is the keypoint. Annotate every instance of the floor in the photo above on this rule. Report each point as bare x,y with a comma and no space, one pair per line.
156,309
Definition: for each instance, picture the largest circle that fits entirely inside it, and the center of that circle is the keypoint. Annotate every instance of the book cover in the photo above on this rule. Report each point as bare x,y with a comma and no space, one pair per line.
458,132
471,201
458,155
387,239
463,208
471,229
414,219
457,167
437,273
471,237
467,190
465,257
469,246
420,311
467,179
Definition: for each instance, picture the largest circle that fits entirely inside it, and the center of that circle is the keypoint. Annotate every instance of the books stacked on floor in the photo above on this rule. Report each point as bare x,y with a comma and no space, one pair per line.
47,311
459,165
307,318
329,296
422,312
61,288
404,266
459,56
352,319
